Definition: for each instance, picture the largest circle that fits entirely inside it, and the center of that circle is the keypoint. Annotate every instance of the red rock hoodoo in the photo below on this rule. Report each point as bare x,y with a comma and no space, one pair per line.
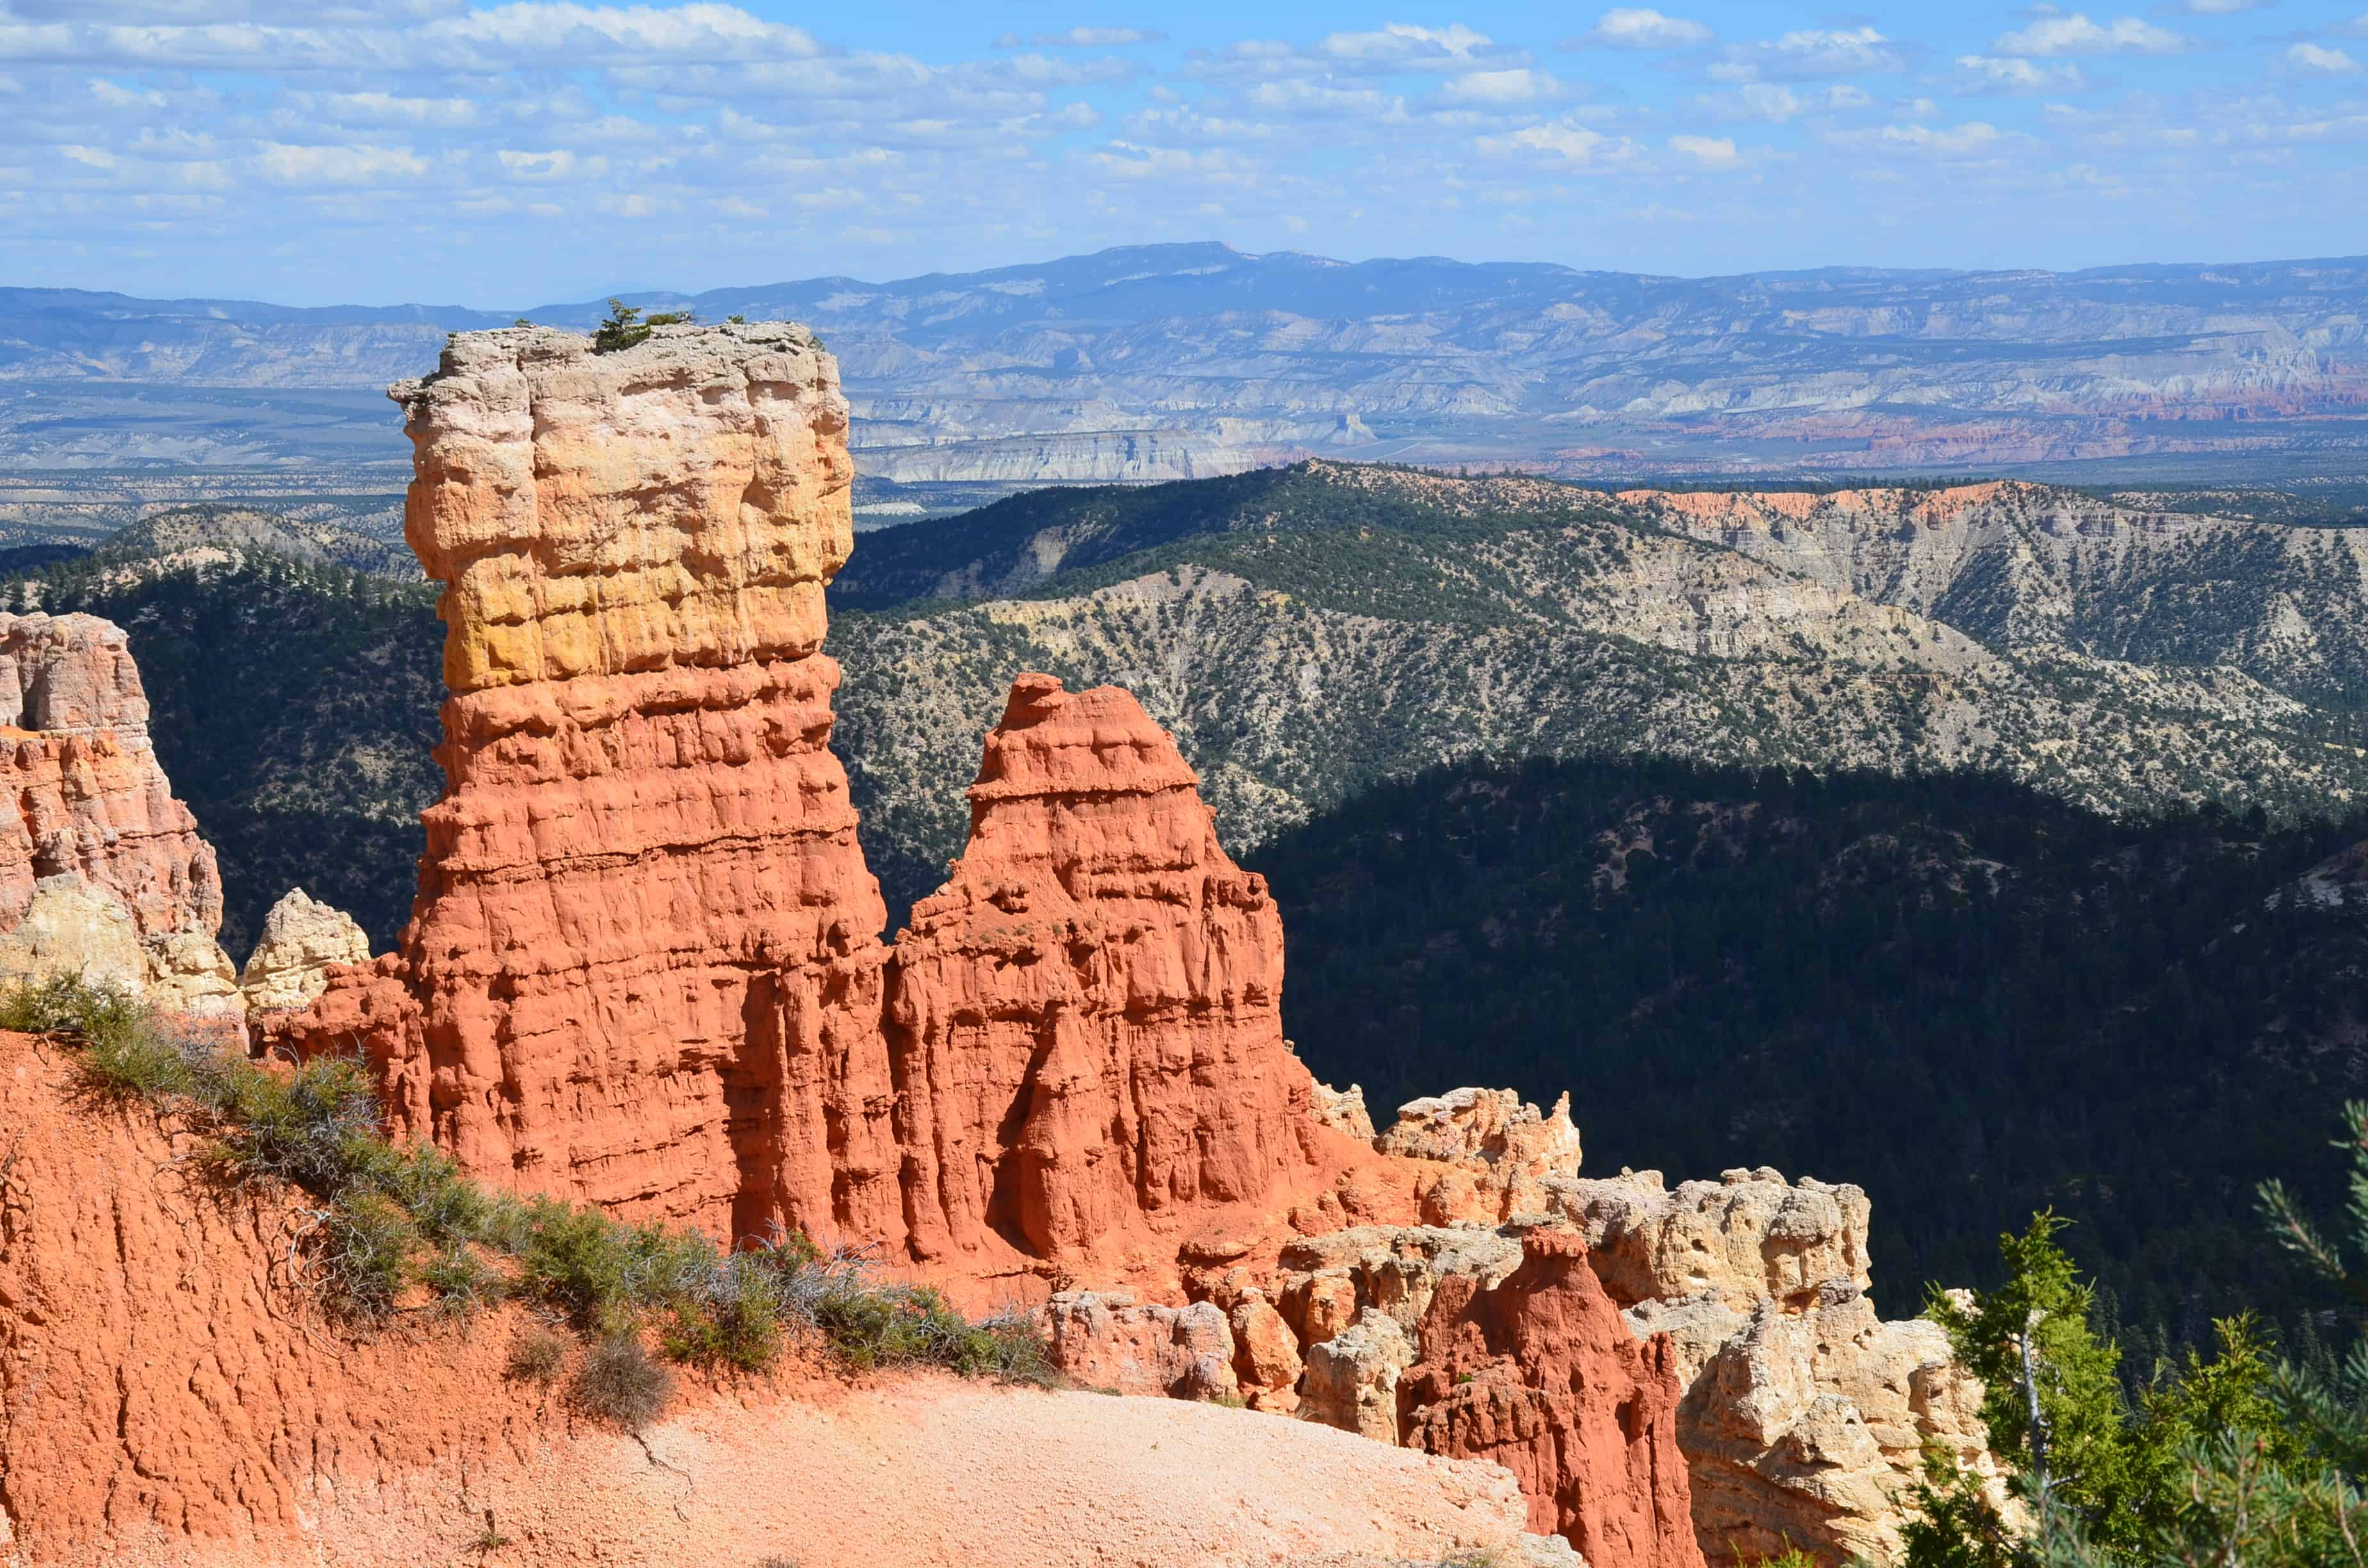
1086,1019
101,869
1540,1375
643,965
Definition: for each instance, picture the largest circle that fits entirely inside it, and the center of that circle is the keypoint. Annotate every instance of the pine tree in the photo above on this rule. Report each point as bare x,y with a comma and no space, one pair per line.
2054,1397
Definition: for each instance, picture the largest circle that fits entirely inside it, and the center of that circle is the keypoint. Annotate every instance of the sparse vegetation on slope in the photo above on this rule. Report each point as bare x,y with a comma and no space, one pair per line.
397,1229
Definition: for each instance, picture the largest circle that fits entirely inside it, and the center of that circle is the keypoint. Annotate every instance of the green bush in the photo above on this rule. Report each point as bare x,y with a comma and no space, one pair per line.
123,1056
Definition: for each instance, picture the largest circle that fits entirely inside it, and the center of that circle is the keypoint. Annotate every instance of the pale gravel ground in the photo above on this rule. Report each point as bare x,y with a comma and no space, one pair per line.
923,1471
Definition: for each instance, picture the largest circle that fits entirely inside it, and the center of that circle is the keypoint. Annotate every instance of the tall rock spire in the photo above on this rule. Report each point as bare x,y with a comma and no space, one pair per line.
645,957
1086,1019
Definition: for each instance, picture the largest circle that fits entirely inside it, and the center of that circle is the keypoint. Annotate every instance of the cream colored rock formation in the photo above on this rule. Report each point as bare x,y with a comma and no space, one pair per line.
1498,1152
102,871
1805,1415
1343,1110
1351,1380
1106,1340
1747,1235
302,940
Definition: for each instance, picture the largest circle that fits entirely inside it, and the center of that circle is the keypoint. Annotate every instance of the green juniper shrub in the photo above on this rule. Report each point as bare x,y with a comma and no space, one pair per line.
573,1259
123,1058
625,325
1951,1521
733,1317
2094,1467
361,1252
462,1282
619,1382
623,328
2233,1462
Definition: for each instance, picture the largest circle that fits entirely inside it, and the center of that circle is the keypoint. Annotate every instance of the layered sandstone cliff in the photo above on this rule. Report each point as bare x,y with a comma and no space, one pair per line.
644,967
1805,1415
102,871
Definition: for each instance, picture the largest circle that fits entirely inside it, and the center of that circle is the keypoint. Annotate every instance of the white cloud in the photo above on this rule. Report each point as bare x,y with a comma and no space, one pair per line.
577,31
1984,73
1808,53
2076,34
558,163
1093,38
1563,139
347,166
387,108
115,97
1519,85
2319,58
1402,45
1970,139
150,13
1776,104
1636,27
1710,151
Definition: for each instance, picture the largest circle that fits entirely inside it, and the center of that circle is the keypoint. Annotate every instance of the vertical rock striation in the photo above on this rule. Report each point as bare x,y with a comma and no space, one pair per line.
1806,1417
102,871
643,965
1540,1375
1086,1019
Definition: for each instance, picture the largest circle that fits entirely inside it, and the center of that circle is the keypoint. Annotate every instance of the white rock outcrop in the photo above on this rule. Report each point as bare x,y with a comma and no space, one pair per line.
302,940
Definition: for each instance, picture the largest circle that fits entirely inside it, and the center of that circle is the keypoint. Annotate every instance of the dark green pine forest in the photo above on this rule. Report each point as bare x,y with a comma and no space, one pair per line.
1972,1000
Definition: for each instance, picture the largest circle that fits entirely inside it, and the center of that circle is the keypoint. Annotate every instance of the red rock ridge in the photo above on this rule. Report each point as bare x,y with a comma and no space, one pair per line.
643,967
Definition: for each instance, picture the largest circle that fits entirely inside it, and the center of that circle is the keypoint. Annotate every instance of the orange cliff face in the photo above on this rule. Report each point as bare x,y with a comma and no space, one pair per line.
643,968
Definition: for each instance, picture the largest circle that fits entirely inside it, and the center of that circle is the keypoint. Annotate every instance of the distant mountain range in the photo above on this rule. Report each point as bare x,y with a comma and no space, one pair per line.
1185,361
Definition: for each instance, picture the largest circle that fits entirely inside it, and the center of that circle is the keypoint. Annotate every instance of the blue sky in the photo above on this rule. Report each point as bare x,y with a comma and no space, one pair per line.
377,151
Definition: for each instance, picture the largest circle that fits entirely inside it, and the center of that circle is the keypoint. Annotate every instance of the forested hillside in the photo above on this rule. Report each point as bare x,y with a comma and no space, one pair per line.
1311,632
293,705
1971,999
